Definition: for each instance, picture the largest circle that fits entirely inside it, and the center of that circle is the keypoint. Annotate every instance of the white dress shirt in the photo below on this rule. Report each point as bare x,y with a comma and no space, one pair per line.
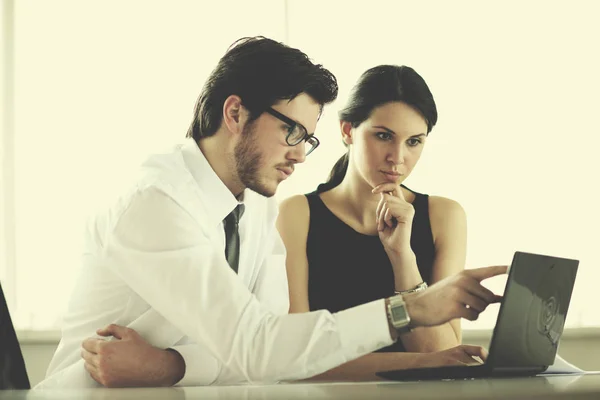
154,261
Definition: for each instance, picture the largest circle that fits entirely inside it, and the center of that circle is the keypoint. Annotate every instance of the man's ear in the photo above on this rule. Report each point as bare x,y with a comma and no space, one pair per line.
347,132
234,114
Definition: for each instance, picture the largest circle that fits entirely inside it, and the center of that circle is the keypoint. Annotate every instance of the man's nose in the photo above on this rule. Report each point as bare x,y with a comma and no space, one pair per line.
298,153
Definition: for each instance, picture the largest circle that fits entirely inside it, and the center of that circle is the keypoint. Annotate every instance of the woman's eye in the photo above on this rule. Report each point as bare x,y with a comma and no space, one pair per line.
384,135
414,142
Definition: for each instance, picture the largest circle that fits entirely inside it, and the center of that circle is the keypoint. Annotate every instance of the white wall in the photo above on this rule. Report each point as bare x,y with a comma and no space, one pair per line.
100,84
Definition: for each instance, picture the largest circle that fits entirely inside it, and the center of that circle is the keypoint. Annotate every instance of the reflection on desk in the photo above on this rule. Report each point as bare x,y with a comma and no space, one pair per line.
541,387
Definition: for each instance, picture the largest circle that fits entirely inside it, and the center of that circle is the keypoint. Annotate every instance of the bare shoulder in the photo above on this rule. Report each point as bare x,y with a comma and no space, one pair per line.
294,207
443,207
294,214
448,218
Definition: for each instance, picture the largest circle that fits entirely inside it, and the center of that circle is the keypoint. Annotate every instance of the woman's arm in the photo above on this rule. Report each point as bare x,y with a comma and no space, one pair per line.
449,228
293,224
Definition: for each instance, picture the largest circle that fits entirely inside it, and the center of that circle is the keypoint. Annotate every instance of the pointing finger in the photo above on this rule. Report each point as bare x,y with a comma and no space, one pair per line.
486,272
477,289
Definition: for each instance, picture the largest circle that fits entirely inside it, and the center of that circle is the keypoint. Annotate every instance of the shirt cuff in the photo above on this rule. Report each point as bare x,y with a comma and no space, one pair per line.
201,368
364,329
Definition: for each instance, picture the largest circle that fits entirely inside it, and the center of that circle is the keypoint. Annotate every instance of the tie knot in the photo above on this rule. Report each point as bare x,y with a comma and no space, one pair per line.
235,215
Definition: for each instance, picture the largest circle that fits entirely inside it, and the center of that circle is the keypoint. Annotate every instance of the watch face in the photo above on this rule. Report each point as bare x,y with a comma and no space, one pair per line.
399,314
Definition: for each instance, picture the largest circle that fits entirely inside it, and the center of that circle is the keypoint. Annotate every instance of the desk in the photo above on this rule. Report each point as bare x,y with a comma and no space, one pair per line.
537,388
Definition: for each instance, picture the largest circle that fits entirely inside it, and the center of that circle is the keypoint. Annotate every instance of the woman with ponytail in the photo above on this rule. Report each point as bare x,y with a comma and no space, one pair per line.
363,236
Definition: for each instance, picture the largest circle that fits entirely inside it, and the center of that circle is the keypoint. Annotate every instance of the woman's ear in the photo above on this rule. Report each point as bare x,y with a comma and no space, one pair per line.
233,114
347,132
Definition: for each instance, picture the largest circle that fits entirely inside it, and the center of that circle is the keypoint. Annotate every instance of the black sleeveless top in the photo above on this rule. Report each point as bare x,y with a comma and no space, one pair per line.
347,268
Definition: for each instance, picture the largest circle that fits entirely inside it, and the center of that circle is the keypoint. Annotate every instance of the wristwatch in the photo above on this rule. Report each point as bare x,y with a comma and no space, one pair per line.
398,315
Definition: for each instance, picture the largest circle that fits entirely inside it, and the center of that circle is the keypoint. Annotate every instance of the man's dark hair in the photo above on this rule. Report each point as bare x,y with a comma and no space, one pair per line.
261,72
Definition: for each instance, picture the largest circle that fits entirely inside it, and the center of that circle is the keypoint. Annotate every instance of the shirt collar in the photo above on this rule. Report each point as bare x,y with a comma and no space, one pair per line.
217,198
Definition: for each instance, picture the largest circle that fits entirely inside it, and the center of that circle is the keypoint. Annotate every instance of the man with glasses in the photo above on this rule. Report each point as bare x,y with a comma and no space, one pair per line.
186,271
296,132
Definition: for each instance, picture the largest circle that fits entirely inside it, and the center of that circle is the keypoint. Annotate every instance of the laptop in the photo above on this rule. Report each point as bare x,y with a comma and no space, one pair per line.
529,325
13,374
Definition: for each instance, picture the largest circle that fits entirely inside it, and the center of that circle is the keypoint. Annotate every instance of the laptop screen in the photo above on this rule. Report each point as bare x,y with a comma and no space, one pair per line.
533,311
13,374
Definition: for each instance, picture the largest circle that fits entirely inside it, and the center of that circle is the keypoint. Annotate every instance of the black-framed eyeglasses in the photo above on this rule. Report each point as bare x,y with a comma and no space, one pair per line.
296,132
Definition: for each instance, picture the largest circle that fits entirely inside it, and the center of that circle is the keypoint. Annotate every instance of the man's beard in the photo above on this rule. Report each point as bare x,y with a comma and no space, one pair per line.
248,160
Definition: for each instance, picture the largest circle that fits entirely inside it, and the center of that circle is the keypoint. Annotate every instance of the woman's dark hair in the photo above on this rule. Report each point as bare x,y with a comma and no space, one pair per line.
260,71
377,86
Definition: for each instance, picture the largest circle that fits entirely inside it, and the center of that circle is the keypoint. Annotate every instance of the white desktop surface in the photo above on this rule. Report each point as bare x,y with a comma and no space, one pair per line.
546,387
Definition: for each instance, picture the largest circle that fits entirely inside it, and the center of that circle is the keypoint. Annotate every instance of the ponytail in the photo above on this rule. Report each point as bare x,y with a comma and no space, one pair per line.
337,174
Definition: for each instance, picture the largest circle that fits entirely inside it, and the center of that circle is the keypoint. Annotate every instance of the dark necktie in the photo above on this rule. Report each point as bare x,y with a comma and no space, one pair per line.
232,237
